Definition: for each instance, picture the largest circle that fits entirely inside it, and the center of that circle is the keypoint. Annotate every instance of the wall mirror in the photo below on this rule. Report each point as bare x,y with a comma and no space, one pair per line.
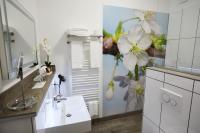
18,37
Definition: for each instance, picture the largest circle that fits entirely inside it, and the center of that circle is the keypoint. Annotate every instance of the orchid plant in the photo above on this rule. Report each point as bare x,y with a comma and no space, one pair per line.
131,48
47,50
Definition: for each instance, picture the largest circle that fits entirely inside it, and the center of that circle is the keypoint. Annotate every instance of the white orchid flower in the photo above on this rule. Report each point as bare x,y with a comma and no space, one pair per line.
46,47
147,22
134,53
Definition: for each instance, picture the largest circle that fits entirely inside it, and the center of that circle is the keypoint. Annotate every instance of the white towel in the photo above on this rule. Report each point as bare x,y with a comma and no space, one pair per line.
77,54
95,54
93,108
78,32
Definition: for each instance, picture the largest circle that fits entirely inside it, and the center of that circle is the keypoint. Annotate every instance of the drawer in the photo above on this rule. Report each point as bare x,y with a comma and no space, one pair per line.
197,87
179,81
155,74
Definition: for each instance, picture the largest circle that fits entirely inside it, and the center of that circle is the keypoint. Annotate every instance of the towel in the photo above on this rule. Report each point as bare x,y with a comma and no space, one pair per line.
95,54
78,32
93,108
77,54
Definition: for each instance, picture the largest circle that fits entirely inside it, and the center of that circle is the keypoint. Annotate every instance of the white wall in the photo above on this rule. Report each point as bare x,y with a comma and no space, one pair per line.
56,16
31,6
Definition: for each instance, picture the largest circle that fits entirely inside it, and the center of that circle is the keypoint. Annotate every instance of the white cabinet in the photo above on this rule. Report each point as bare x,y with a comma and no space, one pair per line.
175,114
152,105
197,87
185,54
181,82
21,125
40,119
149,127
174,25
155,75
189,22
171,53
196,59
195,115
198,30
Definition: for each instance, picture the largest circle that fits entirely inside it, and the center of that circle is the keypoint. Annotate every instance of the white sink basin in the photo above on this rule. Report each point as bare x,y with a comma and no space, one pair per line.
78,120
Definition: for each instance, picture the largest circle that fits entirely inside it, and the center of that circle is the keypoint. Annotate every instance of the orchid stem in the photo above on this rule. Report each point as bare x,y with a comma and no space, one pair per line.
136,72
114,69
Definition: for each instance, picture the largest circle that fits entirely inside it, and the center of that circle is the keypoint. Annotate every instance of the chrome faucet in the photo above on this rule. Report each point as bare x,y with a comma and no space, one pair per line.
59,96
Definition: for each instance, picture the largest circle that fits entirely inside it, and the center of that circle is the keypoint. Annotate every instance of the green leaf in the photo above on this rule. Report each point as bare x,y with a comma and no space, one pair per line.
159,41
118,31
106,34
130,75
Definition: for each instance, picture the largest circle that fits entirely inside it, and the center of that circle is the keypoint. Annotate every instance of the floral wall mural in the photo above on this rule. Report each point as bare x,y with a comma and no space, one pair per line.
132,40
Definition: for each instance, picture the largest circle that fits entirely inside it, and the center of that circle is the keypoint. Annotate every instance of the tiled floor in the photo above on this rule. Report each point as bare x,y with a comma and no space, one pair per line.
128,124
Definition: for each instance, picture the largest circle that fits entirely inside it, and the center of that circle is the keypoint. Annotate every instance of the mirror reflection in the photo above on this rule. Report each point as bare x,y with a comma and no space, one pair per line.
19,38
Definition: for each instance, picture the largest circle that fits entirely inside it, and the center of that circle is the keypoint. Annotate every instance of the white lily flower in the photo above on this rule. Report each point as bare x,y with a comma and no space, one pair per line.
133,53
110,90
147,22
136,35
130,60
109,94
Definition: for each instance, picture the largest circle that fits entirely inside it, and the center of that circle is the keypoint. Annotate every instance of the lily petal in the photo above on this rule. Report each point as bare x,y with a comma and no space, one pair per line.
130,61
135,34
124,45
145,42
109,94
146,27
155,27
140,15
142,59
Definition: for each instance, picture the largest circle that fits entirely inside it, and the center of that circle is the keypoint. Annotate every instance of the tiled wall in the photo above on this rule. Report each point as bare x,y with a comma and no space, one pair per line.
183,47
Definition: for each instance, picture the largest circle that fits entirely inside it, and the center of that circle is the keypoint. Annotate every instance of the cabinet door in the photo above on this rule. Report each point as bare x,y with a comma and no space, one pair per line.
196,59
171,53
21,125
149,127
185,55
174,25
198,31
197,87
40,119
195,115
175,113
189,22
152,105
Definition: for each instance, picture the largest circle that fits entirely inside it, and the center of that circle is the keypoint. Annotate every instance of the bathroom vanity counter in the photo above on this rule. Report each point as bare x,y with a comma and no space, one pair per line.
15,92
177,72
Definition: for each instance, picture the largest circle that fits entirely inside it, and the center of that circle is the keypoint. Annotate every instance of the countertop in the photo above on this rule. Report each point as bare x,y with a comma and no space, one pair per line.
31,112
177,72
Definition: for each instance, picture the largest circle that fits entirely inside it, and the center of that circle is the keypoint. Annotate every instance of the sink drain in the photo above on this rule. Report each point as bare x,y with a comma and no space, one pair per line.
68,115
